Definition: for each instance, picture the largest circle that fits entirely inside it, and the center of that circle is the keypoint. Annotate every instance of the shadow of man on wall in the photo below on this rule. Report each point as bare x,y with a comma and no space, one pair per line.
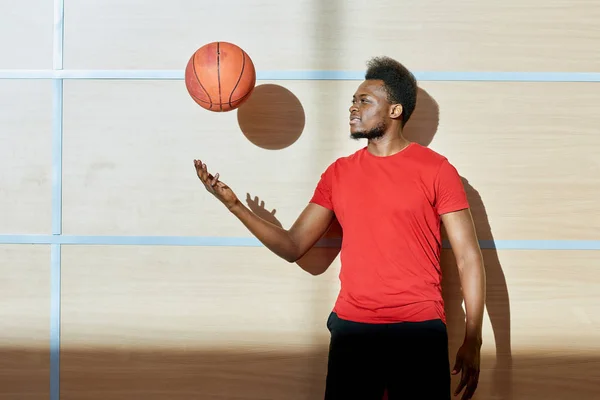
421,129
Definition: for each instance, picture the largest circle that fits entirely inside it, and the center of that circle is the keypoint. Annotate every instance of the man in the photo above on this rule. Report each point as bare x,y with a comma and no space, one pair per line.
388,325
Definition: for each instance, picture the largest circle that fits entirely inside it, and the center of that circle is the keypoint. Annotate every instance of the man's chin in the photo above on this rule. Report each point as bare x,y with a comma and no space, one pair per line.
377,132
357,135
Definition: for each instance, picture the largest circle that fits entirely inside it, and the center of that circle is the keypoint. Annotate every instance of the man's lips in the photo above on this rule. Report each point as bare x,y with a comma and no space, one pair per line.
354,119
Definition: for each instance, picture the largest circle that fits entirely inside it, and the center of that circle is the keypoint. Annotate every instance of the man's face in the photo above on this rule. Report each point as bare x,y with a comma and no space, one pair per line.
370,111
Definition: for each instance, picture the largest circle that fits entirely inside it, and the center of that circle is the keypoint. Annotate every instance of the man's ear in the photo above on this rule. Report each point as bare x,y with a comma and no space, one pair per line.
396,111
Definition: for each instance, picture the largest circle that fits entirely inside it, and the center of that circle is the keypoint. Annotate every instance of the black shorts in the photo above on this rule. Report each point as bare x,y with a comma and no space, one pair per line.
410,359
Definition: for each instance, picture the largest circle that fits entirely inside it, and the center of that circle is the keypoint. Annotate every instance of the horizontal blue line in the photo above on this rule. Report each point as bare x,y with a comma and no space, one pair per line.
307,75
253,242
141,240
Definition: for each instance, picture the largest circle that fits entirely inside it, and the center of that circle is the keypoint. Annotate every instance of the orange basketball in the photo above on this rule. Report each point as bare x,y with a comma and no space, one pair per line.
220,76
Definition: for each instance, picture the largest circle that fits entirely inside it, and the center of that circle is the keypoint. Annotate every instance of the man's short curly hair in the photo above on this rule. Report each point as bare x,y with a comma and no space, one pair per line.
399,82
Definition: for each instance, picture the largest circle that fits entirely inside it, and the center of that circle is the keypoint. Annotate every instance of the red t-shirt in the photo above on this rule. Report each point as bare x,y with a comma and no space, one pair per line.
389,209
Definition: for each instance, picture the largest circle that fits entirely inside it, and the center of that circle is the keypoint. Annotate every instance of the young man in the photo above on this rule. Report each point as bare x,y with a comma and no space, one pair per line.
391,197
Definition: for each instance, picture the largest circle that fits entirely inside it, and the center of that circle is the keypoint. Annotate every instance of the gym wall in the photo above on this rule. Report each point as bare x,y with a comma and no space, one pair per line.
122,278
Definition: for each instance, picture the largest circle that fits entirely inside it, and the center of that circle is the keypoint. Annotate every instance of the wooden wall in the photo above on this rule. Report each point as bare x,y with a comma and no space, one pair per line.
159,293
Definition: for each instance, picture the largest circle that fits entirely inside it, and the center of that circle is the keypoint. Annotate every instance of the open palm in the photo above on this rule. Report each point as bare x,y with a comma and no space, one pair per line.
213,185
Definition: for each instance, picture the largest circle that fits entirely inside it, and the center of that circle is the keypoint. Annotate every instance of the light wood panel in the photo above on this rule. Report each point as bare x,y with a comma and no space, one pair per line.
240,323
25,156
526,152
24,312
128,158
188,298
536,35
527,155
26,28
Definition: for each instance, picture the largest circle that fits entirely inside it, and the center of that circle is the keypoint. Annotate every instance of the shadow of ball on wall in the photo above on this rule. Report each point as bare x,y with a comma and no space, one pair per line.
272,118
423,123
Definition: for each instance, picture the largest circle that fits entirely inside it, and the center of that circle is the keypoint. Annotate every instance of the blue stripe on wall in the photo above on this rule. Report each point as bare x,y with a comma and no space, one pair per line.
57,148
55,265
491,76
57,161
55,298
208,241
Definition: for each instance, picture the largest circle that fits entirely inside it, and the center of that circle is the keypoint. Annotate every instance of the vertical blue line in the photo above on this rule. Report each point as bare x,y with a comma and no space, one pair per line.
55,252
57,147
55,281
55,249
59,30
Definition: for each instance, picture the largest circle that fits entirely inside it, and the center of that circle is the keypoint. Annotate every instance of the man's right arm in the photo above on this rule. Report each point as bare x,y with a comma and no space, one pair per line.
290,244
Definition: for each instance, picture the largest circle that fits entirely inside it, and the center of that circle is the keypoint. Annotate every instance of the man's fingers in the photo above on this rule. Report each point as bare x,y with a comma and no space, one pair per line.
463,382
469,380
211,183
471,385
215,179
460,387
204,175
198,166
457,366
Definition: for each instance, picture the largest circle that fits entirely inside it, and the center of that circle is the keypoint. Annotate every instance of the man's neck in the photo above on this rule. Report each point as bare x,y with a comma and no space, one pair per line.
387,145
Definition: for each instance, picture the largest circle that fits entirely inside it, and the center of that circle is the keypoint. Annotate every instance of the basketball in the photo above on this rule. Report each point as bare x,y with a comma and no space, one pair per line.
220,76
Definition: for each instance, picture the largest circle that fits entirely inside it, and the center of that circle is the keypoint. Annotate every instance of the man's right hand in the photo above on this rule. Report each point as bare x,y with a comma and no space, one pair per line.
214,186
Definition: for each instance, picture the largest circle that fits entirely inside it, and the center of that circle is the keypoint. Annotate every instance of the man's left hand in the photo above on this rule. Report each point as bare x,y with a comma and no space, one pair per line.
467,361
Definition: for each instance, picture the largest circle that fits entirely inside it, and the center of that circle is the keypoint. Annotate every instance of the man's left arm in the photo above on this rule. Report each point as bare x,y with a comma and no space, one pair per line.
465,246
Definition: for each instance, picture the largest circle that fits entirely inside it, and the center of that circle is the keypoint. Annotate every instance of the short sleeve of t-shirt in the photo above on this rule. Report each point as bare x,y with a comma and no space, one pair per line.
322,193
450,191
